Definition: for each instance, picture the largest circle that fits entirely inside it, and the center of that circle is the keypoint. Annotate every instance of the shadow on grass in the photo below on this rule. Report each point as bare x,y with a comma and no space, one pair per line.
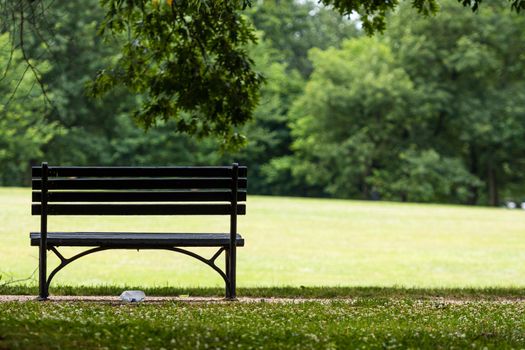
283,292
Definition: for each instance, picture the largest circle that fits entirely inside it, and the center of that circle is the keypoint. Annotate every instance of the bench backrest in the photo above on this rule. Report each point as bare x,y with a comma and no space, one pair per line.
68,190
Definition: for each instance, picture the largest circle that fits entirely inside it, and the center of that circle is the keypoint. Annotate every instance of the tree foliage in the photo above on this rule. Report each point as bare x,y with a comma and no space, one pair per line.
351,120
433,110
293,28
188,60
469,70
435,115
374,12
23,132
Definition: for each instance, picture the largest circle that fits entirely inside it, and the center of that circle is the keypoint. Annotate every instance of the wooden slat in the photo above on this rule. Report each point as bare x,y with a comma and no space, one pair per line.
135,239
115,196
138,209
100,171
116,183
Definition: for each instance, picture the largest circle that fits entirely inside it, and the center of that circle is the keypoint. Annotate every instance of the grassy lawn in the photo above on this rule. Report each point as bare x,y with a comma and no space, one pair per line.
296,242
362,323
391,276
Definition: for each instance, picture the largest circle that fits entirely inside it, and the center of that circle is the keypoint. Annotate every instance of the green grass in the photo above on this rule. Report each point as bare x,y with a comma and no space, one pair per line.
296,242
392,276
363,323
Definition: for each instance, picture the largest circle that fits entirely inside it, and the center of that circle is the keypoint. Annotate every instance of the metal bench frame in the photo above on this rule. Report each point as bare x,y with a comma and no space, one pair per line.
72,178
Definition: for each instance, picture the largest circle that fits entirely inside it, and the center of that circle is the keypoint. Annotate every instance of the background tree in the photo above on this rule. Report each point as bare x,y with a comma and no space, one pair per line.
188,61
433,111
77,53
351,120
469,71
293,28
23,131
188,58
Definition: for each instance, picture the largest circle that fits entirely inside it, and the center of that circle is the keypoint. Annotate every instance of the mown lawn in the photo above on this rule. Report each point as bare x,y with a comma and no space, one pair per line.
389,275
360,323
296,242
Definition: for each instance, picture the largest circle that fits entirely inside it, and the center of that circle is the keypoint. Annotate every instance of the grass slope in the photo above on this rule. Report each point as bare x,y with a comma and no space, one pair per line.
295,242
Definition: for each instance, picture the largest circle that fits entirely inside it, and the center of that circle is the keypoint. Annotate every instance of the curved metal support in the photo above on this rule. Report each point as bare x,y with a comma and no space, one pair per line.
210,262
66,261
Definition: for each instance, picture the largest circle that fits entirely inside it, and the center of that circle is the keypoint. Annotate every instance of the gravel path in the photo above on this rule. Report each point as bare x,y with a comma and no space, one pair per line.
153,299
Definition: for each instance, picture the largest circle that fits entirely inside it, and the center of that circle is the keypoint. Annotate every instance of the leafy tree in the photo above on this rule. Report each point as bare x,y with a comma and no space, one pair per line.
432,112
424,176
469,72
421,114
293,28
268,133
188,58
160,145
101,132
78,53
351,120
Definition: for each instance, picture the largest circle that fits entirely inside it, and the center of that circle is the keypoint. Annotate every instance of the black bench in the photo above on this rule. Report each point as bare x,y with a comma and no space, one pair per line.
68,190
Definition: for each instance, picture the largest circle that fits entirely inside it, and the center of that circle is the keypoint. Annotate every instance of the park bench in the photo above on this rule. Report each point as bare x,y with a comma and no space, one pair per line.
69,190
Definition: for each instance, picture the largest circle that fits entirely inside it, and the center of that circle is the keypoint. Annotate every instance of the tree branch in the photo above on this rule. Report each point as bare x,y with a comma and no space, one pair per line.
37,74
12,281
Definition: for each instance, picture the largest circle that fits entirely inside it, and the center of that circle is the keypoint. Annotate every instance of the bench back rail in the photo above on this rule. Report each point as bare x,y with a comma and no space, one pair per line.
138,191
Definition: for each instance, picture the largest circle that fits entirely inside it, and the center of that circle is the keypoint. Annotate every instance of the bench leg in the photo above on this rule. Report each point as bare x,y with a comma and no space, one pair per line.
42,275
230,274
227,269
233,273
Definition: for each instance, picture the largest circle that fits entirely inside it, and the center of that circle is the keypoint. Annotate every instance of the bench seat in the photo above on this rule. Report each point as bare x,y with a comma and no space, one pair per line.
135,239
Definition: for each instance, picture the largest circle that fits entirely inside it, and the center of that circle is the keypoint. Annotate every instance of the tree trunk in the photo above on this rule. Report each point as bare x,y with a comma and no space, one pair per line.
473,196
493,186
474,190
366,188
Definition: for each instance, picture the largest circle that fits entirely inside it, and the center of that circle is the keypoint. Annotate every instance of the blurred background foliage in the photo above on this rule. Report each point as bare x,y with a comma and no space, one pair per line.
433,110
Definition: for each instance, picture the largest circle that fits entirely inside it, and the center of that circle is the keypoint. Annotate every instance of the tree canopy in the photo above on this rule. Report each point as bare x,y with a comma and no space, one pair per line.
435,114
430,111
188,59
23,131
